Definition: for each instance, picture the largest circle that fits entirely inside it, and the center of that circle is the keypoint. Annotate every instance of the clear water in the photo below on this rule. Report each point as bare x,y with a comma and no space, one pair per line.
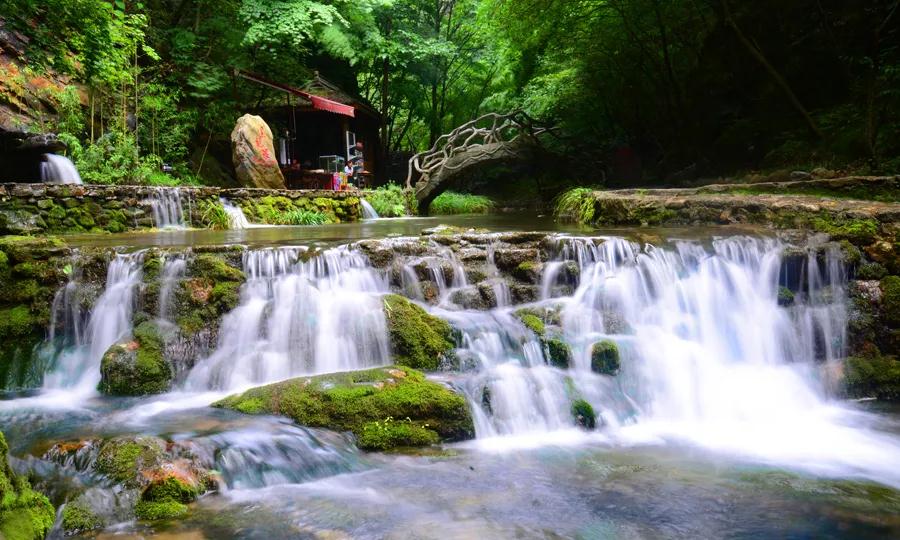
719,425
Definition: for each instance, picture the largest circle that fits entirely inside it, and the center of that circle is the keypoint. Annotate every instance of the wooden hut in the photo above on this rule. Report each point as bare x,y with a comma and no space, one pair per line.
316,127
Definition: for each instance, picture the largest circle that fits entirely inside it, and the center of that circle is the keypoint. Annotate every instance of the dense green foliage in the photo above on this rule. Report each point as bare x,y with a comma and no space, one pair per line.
450,203
24,513
388,200
641,89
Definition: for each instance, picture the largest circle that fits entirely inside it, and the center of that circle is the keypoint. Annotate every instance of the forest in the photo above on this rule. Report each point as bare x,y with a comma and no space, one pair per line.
642,92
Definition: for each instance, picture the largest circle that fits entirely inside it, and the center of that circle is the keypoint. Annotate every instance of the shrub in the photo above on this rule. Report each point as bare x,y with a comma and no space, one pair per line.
388,200
576,204
301,217
213,214
451,203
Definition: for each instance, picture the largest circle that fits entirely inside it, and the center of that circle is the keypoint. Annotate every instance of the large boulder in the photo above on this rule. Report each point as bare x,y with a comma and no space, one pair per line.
418,339
24,513
385,408
254,154
136,367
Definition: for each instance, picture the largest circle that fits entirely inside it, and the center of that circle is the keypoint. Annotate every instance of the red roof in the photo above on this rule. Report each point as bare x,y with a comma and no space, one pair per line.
318,102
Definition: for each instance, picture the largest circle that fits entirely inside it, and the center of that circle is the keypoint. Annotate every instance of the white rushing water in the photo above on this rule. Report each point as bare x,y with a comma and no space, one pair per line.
168,208
58,169
236,217
76,366
368,212
297,317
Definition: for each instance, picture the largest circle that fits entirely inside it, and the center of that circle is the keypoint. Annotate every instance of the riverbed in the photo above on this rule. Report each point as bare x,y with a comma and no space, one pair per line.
708,432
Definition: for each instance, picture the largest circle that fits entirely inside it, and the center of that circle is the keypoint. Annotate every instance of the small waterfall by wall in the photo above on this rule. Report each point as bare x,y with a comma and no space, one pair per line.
236,217
173,269
58,169
80,347
168,209
368,212
299,316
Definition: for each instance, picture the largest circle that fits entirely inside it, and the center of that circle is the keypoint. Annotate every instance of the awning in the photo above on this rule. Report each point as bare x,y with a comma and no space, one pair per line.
318,102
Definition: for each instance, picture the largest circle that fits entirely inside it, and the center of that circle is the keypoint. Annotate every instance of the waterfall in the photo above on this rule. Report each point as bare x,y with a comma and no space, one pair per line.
166,205
174,267
367,211
58,169
299,316
76,363
236,217
707,353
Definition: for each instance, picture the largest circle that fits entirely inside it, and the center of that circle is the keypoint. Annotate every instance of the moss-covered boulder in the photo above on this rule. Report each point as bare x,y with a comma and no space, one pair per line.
385,408
211,290
24,513
31,271
605,357
873,376
124,459
136,367
584,414
79,517
558,352
418,339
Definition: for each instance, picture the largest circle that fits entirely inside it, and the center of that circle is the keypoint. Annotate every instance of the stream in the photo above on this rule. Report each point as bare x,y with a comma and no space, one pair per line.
722,421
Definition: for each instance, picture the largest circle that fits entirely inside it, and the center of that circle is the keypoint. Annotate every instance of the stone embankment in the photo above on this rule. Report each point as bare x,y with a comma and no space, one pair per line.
61,209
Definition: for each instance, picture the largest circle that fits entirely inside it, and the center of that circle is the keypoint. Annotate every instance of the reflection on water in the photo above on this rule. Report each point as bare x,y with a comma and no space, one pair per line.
324,235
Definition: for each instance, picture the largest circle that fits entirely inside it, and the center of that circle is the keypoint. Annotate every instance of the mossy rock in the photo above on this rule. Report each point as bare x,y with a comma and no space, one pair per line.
875,376
122,459
153,511
384,407
213,267
78,517
30,248
871,271
890,300
558,352
138,367
24,513
584,414
605,357
531,321
418,339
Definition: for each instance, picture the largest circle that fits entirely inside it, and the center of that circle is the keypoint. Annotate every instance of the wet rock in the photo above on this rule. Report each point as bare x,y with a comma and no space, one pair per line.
785,297
253,154
379,254
557,351
136,367
79,517
523,294
528,271
418,339
508,259
800,175
470,298
385,408
472,255
584,414
605,357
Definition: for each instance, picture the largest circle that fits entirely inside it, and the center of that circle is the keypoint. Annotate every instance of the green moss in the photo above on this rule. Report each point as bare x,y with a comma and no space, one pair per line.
24,513
215,268
583,413
876,376
558,352
785,296
605,357
390,434
138,367
418,339
152,511
77,517
171,488
123,458
890,300
871,271
532,322
353,401
15,322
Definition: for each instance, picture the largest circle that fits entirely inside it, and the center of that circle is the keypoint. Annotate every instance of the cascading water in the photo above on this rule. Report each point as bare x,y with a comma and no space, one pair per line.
368,212
173,269
167,206
58,169
236,217
296,317
76,363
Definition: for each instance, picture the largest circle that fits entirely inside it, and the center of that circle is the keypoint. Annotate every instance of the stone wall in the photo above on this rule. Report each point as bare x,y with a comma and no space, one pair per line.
53,208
